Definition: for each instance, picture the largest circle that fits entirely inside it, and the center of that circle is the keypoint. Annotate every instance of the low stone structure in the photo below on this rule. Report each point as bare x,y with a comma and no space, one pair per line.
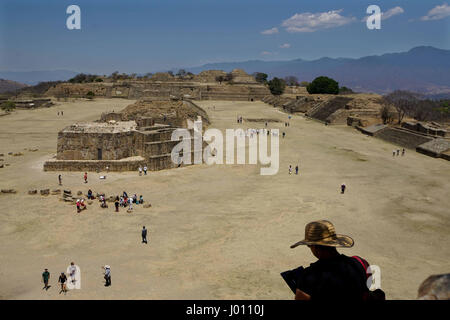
437,148
125,145
433,129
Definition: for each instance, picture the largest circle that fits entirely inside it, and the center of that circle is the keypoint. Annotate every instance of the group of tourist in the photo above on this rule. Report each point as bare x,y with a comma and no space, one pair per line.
252,132
125,201
120,201
72,273
73,269
140,169
397,152
290,169
239,119
80,205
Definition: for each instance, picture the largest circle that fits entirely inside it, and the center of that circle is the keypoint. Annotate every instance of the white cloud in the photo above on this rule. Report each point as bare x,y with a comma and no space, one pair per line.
285,46
270,31
388,14
391,12
310,22
437,13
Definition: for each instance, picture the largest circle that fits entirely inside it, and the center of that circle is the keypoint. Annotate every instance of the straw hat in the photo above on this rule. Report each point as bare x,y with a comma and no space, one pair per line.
322,233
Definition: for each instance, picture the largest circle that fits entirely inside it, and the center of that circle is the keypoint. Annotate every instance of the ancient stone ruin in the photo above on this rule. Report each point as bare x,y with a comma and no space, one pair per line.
164,86
139,135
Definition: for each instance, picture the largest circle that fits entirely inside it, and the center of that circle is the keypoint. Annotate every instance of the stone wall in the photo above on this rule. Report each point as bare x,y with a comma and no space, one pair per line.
84,146
425,128
94,165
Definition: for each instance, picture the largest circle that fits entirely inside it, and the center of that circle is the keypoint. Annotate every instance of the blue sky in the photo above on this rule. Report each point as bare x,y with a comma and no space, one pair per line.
153,35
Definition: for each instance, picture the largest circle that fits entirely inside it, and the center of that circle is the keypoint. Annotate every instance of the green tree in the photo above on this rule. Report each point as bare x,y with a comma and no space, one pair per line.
260,77
8,106
277,86
90,95
323,85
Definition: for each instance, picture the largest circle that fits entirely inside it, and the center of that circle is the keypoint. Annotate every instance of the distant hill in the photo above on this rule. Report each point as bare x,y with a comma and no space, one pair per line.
9,85
34,77
422,69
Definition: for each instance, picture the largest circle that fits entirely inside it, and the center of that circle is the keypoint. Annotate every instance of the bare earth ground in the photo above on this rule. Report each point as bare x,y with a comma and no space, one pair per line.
224,231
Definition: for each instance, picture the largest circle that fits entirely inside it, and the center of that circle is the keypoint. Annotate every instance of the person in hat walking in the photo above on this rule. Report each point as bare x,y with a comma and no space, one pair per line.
333,276
107,275
343,186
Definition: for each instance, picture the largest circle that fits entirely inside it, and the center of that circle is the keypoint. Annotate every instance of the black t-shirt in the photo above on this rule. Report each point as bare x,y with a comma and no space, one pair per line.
337,278
62,278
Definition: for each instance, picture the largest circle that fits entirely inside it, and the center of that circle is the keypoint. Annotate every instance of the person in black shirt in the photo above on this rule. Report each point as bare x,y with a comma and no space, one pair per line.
144,235
334,276
62,279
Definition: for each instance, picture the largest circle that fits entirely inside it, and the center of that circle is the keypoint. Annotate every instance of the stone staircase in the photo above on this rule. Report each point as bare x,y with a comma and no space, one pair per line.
402,137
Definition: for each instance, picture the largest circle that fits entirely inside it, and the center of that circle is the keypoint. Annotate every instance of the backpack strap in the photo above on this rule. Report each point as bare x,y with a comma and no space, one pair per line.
364,264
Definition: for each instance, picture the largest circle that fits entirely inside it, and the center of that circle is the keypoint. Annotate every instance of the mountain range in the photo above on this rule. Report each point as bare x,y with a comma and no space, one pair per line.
422,69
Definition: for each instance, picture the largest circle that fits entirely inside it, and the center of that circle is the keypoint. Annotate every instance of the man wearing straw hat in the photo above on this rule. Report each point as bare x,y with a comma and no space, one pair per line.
334,276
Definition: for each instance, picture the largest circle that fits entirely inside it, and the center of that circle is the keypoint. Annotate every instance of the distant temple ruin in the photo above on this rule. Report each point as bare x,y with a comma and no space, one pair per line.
203,86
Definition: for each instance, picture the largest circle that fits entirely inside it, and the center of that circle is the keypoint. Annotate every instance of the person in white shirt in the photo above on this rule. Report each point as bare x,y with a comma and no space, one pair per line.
72,270
107,275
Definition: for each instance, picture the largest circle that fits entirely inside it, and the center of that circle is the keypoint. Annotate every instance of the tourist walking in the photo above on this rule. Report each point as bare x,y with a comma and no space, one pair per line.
290,169
296,169
60,180
116,204
72,271
393,153
398,152
130,201
45,278
284,133
140,171
107,275
144,235
62,280
403,152
343,188
145,170
85,177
